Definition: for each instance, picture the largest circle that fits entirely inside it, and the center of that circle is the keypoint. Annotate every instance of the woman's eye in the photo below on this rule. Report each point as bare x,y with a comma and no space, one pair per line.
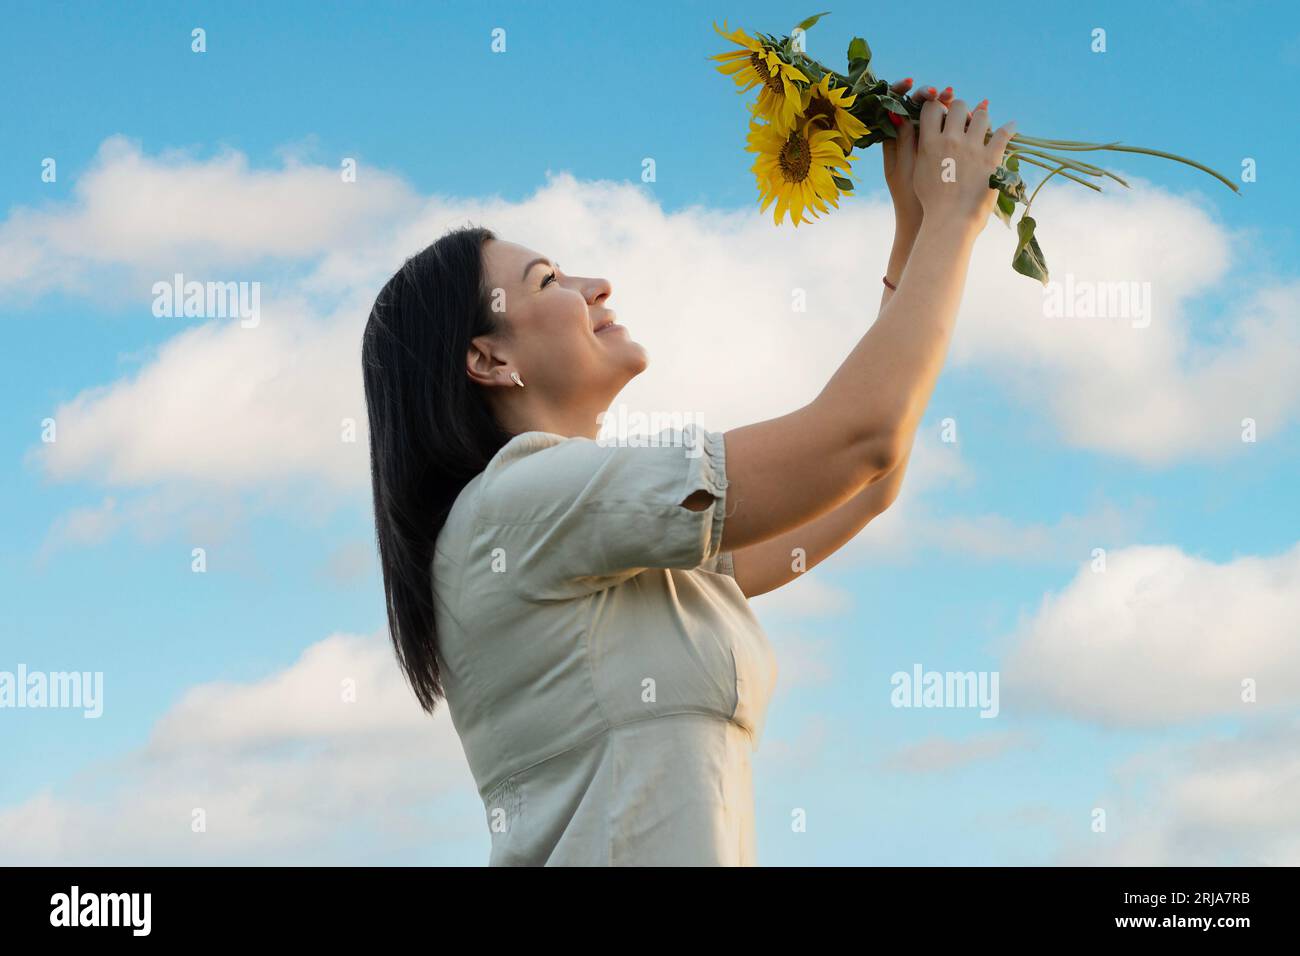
548,278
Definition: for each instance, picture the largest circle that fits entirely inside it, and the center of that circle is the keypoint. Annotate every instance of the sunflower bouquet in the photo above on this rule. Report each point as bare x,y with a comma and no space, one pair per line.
808,119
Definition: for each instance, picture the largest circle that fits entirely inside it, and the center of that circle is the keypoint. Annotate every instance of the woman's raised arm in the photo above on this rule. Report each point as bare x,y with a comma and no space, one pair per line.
786,471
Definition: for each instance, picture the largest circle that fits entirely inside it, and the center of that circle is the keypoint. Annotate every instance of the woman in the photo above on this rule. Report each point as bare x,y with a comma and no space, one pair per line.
582,607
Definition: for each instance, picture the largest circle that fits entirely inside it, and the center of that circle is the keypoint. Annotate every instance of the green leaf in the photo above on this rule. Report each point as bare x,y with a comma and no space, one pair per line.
1004,180
810,68
1005,207
865,102
858,50
893,105
845,185
1012,162
1029,259
805,24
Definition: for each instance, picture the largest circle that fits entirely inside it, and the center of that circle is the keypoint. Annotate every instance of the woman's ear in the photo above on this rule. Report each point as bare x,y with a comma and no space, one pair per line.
483,366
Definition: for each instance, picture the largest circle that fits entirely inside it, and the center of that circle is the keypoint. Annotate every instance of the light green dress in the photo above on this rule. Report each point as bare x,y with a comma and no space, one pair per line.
602,667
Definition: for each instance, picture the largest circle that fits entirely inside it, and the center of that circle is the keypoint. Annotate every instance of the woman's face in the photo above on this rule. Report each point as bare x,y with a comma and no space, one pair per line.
562,338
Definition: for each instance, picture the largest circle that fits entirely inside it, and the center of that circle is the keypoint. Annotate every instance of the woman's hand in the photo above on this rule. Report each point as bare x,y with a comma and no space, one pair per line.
900,160
900,156
900,166
950,140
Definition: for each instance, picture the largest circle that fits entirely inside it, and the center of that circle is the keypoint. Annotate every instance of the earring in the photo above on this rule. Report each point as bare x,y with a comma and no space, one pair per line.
514,377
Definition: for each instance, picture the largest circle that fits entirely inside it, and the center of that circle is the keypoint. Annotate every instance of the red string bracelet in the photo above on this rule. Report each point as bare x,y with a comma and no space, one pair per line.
888,283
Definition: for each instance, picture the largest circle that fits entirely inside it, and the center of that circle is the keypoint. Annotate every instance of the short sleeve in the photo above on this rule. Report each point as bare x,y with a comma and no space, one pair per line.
576,510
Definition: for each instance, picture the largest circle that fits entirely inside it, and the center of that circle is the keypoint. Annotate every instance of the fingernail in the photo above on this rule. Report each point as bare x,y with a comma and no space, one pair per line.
947,89
907,79
895,119
930,90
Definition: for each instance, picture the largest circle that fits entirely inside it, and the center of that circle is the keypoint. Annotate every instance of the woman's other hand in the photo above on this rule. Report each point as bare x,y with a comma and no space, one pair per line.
953,162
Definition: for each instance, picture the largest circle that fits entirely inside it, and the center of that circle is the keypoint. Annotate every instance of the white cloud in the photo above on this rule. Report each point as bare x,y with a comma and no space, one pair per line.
1157,394
710,293
1223,801
996,537
146,215
923,521
286,771
83,526
1159,637
152,516
226,406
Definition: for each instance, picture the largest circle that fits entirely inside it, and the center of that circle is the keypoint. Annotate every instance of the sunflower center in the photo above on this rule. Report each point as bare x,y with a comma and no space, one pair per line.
823,109
773,74
796,158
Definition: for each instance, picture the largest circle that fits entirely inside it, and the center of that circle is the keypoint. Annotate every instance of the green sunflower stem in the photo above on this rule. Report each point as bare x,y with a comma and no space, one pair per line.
1117,147
1142,150
1030,204
1082,182
1086,169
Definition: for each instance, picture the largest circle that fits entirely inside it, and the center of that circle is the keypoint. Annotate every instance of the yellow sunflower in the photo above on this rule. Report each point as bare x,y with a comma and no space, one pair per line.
757,63
795,167
831,108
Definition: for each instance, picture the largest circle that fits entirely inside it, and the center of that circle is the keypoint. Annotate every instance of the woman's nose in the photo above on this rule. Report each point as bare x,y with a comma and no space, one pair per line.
598,290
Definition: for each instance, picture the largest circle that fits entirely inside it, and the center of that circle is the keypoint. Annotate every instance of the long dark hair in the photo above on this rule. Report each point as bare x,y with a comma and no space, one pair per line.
431,429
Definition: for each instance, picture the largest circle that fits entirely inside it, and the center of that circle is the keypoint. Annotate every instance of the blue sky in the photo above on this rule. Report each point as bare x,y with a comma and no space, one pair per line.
1067,443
